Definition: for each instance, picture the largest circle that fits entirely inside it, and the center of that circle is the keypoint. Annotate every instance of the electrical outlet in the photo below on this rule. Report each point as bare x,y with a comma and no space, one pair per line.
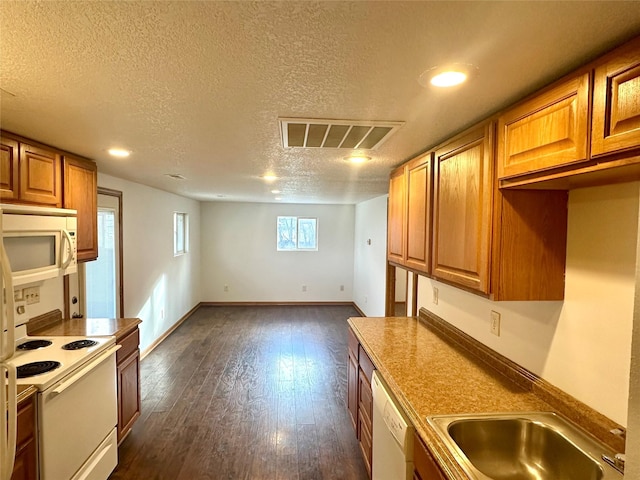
226,288
342,288
304,288
32,295
495,323
435,295
162,313
366,299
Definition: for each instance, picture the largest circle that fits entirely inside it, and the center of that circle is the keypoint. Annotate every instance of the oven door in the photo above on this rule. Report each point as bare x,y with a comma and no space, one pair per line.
77,419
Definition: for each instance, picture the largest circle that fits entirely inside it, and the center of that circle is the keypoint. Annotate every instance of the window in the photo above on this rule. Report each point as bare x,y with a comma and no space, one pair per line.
180,233
297,233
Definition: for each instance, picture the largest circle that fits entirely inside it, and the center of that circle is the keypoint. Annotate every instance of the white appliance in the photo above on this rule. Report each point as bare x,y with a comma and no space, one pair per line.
392,436
77,404
8,392
75,377
40,242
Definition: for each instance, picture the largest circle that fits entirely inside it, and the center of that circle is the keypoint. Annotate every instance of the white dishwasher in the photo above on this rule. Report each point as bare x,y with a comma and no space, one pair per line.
392,436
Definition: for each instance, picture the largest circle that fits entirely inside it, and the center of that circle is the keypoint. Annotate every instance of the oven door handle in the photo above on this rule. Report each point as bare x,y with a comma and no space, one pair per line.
82,372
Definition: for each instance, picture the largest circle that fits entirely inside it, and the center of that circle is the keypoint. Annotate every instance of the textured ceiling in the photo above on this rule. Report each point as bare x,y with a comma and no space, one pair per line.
196,88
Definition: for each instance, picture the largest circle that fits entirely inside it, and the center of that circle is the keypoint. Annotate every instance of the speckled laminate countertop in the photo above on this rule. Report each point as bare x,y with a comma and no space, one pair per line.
430,376
89,327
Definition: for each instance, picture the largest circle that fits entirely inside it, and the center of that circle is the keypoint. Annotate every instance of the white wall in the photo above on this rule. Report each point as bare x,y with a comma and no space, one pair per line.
239,250
158,287
632,468
581,345
370,261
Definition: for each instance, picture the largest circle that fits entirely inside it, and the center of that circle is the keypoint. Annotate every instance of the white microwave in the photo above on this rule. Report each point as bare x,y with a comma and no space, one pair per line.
40,242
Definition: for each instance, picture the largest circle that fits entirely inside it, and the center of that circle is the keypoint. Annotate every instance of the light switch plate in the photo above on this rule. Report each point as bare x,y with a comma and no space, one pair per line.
495,323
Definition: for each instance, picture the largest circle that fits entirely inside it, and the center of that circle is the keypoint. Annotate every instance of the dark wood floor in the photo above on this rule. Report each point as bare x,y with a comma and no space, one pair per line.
246,393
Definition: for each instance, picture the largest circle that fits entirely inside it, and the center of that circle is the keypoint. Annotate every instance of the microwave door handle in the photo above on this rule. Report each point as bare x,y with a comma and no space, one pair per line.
7,347
69,249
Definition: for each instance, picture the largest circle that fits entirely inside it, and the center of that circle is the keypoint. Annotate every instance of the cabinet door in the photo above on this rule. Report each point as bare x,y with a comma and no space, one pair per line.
352,390
616,105
396,217
462,210
81,194
8,169
26,462
419,185
365,413
128,394
549,130
425,467
40,176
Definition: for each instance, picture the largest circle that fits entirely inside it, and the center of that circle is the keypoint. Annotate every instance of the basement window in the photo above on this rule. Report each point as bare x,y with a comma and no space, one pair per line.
297,234
180,233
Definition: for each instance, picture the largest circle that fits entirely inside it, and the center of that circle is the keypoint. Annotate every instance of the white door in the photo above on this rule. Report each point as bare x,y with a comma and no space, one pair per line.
102,276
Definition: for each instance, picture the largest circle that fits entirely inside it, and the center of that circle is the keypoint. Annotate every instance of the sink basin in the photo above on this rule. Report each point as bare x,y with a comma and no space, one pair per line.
523,446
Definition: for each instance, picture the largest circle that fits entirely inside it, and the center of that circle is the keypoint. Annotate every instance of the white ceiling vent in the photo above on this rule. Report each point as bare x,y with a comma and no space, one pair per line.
319,133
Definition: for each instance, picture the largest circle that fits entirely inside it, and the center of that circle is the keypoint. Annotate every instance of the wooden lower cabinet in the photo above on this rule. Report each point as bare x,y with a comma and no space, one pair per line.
128,371
26,462
424,466
360,397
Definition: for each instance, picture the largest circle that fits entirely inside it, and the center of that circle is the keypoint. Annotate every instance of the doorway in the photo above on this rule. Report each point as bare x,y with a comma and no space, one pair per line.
103,277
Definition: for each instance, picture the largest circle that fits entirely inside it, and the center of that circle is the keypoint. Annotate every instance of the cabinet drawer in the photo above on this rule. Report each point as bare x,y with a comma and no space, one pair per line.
353,344
366,444
129,345
365,363
366,398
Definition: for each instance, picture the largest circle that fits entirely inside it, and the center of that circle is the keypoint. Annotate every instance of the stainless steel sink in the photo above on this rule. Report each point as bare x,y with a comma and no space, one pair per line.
523,446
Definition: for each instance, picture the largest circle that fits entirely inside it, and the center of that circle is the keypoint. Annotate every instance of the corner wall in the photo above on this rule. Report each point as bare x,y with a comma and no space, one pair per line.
583,344
239,251
158,287
370,261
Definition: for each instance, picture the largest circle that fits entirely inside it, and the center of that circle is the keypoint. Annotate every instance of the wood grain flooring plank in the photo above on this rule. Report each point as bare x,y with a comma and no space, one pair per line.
246,393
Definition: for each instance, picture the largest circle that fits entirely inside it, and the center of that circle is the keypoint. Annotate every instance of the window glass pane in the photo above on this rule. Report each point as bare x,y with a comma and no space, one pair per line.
180,236
307,234
287,235
101,273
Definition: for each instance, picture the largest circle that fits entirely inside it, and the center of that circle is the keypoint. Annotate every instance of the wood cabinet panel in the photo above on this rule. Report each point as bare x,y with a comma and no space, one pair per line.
81,194
462,210
128,371
8,169
26,461
616,101
352,390
40,176
418,226
128,394
546,131
396,216
366,442
425,467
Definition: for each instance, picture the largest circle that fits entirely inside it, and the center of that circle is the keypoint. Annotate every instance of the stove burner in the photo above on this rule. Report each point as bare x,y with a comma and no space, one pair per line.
34,344
78,344
36,368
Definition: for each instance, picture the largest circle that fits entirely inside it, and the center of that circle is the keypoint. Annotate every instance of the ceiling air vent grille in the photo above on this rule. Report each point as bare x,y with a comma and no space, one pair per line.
316,133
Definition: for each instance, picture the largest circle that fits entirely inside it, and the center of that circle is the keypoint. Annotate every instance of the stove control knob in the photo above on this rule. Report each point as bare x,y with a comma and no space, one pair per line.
21,310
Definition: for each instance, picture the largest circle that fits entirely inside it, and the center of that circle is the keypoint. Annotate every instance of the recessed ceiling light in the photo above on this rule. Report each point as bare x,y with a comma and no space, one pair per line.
447,75
357,159
278,198
269,177
119,152
275,192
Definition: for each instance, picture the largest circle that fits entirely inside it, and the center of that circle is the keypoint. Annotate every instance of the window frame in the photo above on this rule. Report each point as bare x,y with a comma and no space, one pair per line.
297,234
185,234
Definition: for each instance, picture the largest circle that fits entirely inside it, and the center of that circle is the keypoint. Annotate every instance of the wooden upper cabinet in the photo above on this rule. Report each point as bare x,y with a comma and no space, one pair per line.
8,168
546,131
40,177
418,226
396,216
409,222
463,172
81,194
616,101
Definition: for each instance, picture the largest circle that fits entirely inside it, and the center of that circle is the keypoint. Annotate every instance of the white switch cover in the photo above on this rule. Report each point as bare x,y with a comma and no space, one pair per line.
435,295
495,323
